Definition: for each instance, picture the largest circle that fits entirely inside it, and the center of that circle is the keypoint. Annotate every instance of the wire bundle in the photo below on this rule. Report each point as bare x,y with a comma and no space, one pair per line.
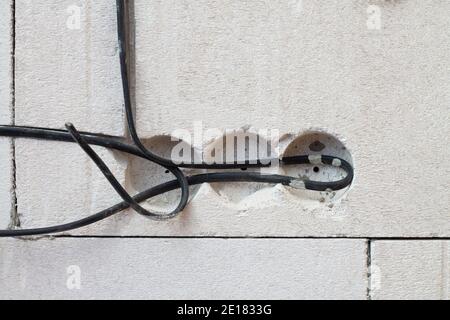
137,148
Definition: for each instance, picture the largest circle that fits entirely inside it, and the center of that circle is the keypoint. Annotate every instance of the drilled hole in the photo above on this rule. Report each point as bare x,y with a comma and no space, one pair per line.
143,174
317,143
240,146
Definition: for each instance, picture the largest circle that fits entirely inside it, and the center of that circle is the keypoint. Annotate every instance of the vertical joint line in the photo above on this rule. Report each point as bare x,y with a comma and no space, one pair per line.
14,215
369,269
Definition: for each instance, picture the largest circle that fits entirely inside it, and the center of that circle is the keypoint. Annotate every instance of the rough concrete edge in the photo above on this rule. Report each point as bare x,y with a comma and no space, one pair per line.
14,215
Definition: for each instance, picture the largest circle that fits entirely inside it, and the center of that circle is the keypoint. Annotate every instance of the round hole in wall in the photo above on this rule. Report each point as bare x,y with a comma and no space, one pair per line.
143,174
239,146
317,143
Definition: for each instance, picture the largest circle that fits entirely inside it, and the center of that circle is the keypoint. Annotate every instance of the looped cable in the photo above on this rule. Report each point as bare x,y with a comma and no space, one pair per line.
116,184
166,163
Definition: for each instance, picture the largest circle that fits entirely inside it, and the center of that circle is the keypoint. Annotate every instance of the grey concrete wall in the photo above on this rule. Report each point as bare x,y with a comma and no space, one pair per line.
184,269
372,76
410,270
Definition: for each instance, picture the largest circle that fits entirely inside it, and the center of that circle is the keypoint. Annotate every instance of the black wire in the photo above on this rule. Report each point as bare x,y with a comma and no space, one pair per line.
168,164
117,143
111,142
122,39
113,181
149,193
85,139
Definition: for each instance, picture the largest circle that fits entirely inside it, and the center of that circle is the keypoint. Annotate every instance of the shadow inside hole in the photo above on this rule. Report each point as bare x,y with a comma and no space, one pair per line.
239,146
143,174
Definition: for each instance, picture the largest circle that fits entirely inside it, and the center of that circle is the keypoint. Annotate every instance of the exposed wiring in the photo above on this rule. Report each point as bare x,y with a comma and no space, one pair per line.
137,148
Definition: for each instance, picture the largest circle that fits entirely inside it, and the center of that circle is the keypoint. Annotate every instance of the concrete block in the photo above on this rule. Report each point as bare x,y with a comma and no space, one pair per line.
366,72
183,269
67,71
410,269
68,65
326,66
6,173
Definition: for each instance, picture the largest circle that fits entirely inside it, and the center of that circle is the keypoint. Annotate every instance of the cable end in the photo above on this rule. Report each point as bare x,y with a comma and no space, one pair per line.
69,125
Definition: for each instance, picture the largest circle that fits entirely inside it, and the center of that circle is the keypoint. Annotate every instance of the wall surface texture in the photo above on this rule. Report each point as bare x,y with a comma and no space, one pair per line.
6,102
368,79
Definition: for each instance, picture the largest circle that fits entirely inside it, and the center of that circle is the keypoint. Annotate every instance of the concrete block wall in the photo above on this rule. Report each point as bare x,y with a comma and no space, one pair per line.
185,268
64,74
370,76
410,269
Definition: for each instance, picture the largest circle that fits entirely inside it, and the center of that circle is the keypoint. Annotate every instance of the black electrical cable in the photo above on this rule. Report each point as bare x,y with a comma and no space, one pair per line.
168,164
122,38
113,181
85,139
